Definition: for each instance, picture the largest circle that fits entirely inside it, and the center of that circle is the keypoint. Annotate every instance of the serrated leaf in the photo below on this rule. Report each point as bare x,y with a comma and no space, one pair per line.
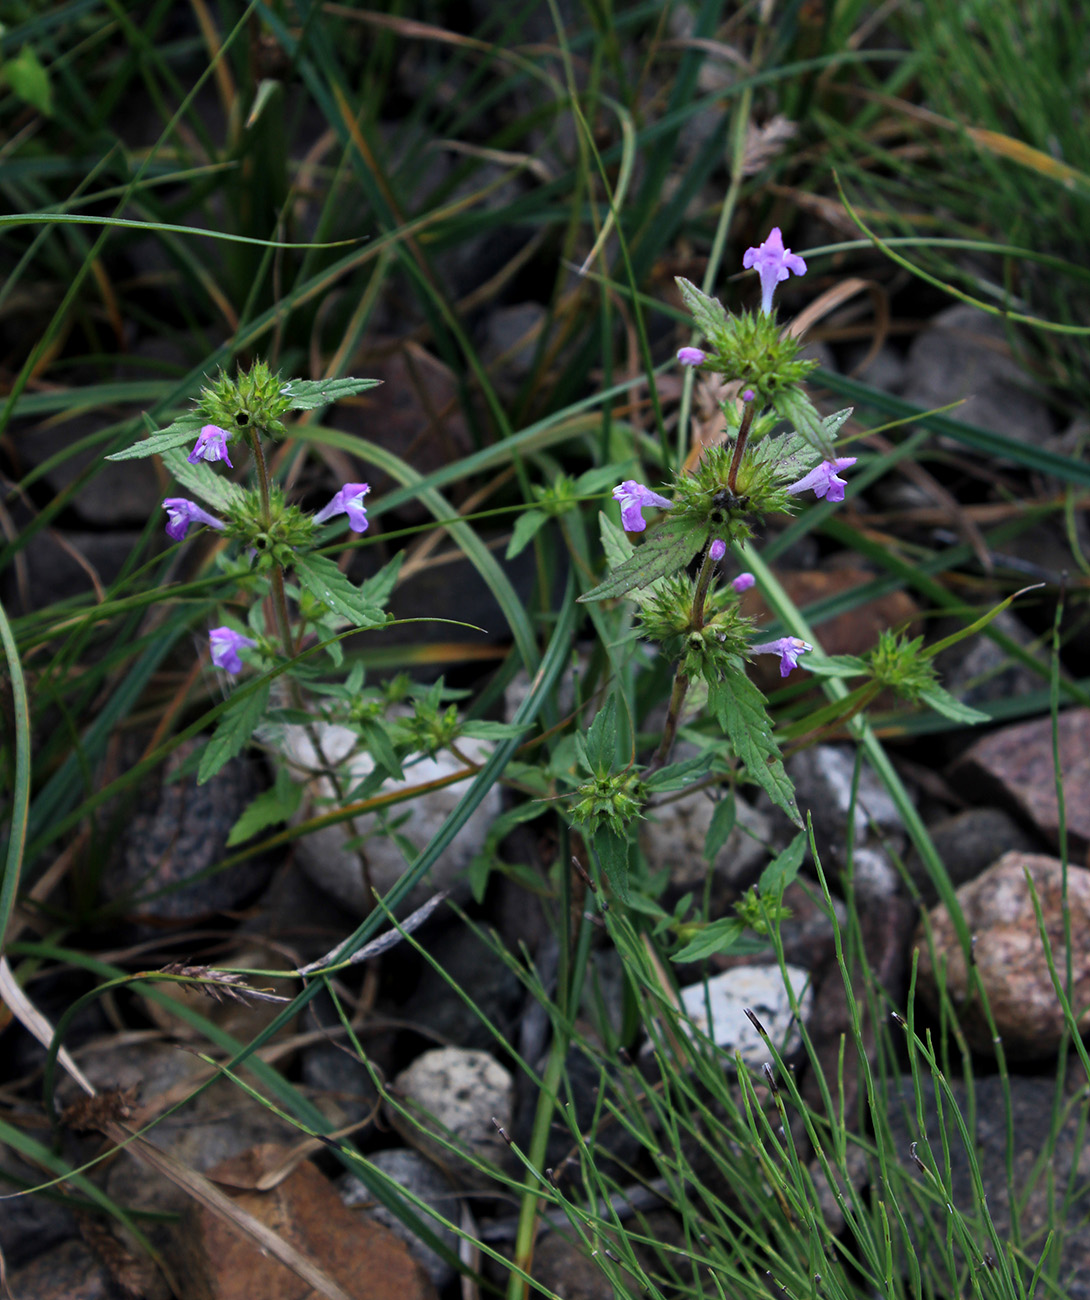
612,851
377,589
526,528
795,407
719,937
307,394
709,313
234,728
667,551
174,435
601,742
743,714
323,579
783,868
720,826
678,775
618,550
215,490
943,702
270,808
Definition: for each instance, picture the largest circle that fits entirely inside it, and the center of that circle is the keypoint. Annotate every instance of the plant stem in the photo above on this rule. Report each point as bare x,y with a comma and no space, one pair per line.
280,600
740,444
673,717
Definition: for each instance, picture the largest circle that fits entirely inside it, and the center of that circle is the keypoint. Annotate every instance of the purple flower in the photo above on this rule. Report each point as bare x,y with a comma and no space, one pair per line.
226,643
823,480
211,445
633,497
748,394
772,262
691,356
787,647
181,513
743,582
348,501
717,550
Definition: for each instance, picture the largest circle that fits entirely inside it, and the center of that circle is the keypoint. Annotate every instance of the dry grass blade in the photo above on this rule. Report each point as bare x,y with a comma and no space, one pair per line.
380,945
192,1183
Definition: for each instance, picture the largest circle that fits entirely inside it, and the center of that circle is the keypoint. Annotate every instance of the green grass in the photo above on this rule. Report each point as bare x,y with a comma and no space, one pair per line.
243,182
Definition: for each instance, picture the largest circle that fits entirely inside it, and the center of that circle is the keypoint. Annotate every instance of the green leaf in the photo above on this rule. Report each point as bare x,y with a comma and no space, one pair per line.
670,548
215,490
835,665
943,702
235,727
678,775
743,714
618,550
308,394
174,435
709,313
377,589
527,526
612,850
381,749
795,407
718,937
29,80
270,808
783,868
484,730
324,580
720,826
601,741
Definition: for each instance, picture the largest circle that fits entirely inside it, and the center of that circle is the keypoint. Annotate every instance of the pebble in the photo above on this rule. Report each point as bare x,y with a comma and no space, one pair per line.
1008,955
411,1171
68,1272
759,989
462,1091
332,866
672,838
965,353
967,843
1013,767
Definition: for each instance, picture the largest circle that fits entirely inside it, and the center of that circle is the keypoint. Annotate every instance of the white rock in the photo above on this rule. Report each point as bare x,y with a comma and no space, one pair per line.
332,866
672,838
762,990
462,1091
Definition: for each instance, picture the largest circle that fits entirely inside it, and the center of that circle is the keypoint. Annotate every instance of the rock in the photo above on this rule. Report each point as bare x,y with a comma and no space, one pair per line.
965,353
979,672
338,870
672,838
69,1272
823,779
339,1082
566,1270
177,830
410,1170
1007,952
968,842
759,989
120,493
1041,1165
1013,767
29,1225
434,1006
303,1209
510,341
885,369
456,1092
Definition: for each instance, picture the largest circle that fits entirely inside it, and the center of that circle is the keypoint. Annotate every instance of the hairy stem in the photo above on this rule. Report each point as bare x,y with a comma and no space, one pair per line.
740,444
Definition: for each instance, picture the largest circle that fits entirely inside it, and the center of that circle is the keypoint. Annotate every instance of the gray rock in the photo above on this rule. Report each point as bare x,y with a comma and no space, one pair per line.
823,787
177,830
967,843
980,672
70,1272
886,370
410,1170
760,989
30,1225
339,1082
456,1093
965,354
510,341
339,870
1042,1167
672,838
874,877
